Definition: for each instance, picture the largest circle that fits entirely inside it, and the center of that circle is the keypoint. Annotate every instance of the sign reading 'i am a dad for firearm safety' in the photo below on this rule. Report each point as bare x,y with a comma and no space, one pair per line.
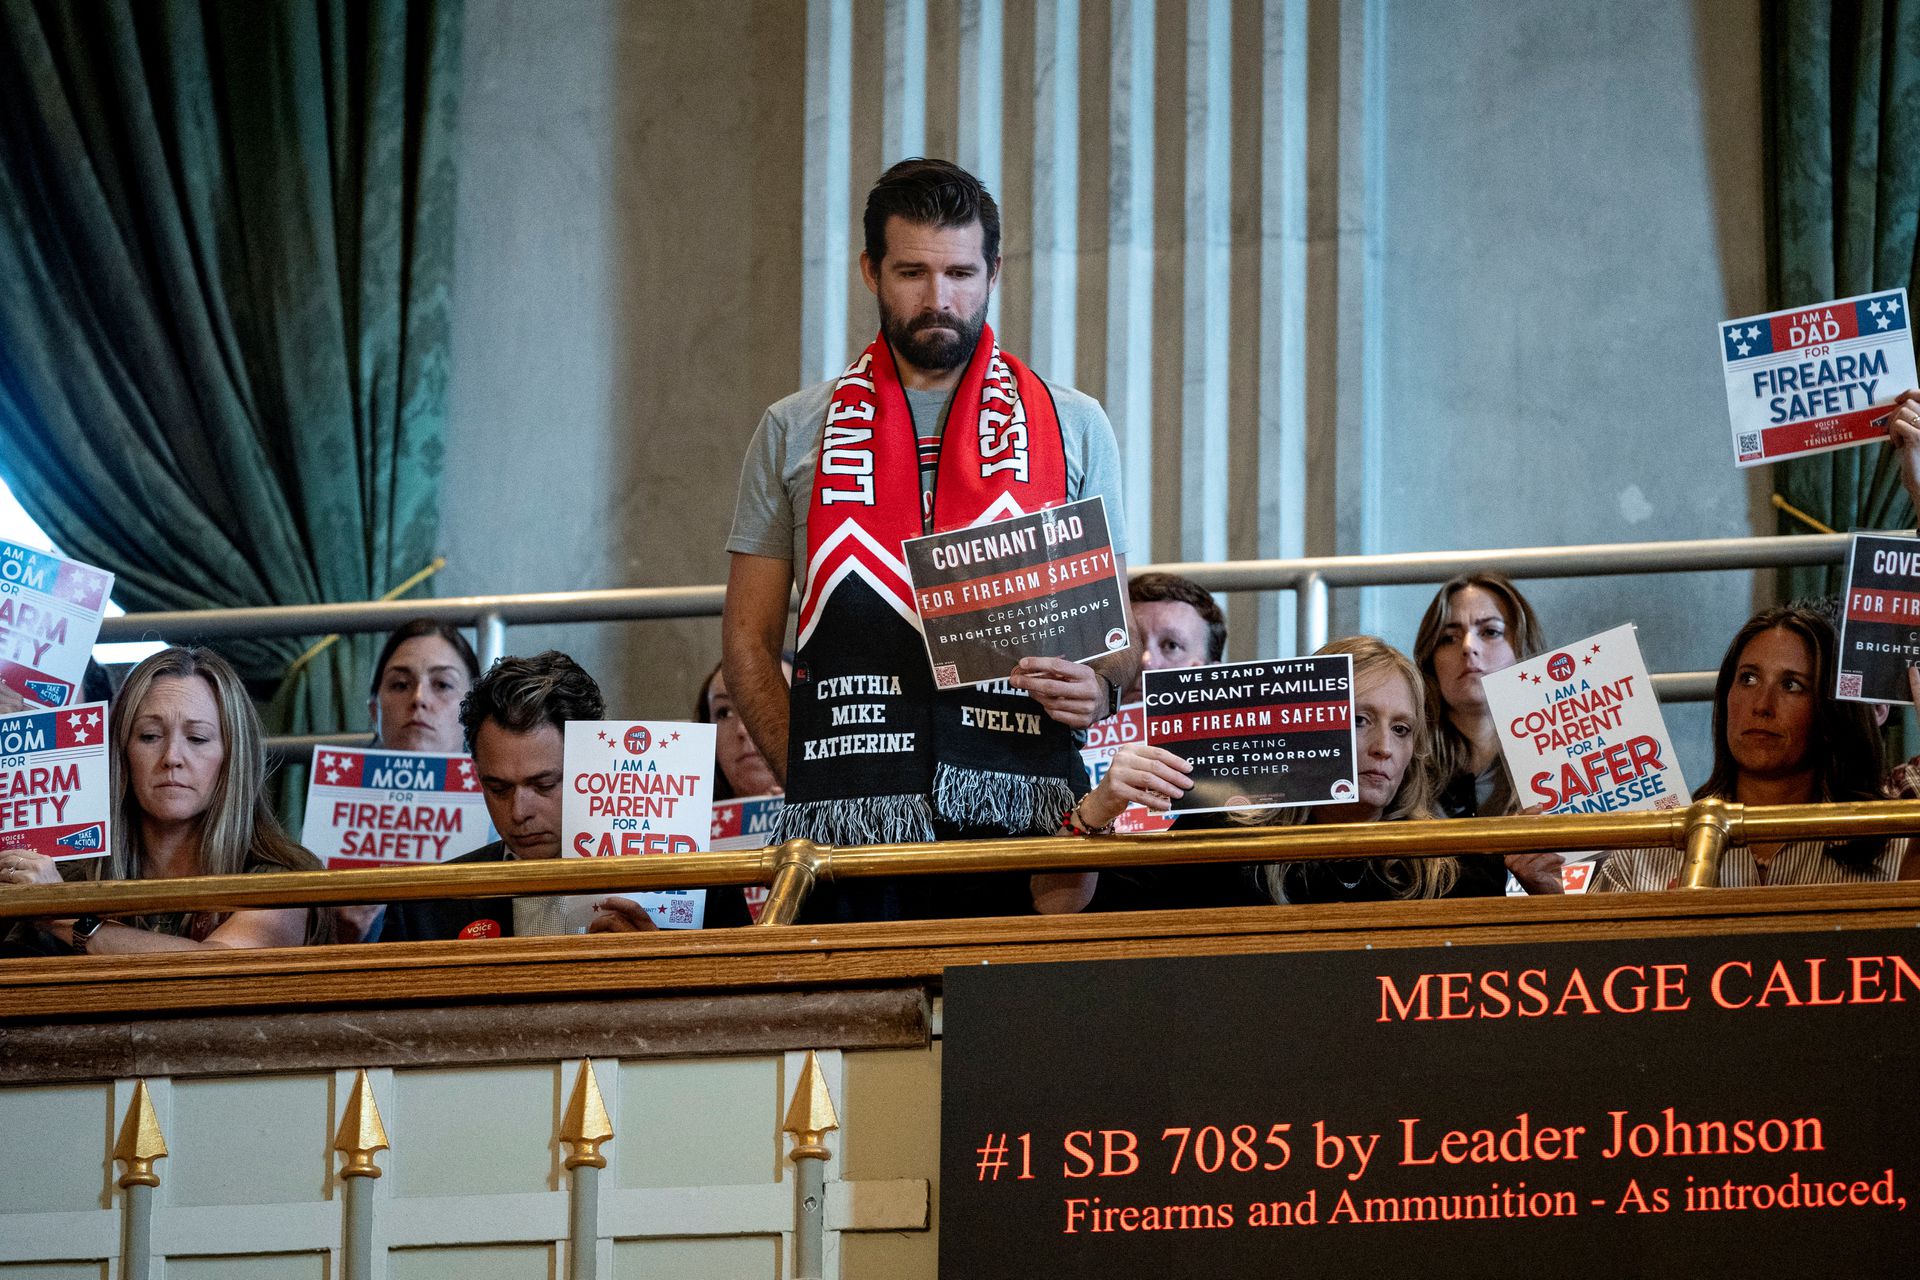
1696,1107
1815,378
55,794
1880,618
1259,735
1044,585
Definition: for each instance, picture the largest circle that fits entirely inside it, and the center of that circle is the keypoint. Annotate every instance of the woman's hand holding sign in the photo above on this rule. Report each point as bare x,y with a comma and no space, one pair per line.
1139,774
23,866
1537,872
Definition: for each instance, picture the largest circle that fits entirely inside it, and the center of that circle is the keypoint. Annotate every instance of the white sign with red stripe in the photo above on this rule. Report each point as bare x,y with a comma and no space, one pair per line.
50,612
56,794
372,807
636,787
1816,378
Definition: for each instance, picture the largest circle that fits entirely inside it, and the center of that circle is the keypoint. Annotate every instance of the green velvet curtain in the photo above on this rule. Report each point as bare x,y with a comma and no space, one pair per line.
225,254
1845,133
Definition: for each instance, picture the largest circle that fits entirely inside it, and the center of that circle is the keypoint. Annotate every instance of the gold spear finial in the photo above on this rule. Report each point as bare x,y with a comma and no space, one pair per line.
361,1133
586,1124
141,1142
810,1117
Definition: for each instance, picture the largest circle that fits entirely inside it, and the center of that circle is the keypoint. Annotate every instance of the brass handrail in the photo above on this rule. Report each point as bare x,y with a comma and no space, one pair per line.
1704,830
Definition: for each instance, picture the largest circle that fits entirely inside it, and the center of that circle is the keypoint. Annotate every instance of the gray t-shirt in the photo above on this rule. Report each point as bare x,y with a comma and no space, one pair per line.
776,479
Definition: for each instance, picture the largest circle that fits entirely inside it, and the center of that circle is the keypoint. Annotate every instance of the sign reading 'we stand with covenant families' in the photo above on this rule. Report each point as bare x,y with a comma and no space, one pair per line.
1259,735
1582,731
50,612
1815,378
55,794
1044,585
640,787
371,807
1880,620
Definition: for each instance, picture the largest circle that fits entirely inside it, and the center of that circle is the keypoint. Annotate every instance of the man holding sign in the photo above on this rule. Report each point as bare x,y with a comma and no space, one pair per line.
515,719
838,477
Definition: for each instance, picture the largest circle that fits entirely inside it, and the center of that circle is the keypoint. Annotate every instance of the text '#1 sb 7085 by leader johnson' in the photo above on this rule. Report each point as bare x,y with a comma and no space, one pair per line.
1815,378
1725,1106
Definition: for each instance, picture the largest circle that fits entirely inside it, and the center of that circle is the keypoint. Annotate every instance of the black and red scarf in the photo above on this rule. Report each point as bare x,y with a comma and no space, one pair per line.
875,752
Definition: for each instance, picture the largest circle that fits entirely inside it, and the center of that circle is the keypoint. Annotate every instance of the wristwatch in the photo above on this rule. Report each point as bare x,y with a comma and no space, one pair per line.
1113,697
83,930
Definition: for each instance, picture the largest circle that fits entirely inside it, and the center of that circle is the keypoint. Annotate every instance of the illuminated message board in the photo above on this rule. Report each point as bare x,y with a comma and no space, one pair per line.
1726,1106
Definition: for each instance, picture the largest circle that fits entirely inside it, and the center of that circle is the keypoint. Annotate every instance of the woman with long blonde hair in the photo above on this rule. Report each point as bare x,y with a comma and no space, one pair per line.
188,774
1396,781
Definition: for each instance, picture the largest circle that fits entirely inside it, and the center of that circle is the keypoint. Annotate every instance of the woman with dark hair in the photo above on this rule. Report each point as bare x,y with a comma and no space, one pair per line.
425,669
742,770
1478,623
1781,737
187,771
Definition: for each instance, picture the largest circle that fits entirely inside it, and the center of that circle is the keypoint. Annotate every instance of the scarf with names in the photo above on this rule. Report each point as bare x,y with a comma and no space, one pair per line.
875,752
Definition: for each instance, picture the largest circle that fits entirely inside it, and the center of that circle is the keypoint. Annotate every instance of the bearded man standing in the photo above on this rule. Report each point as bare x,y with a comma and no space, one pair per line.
931,428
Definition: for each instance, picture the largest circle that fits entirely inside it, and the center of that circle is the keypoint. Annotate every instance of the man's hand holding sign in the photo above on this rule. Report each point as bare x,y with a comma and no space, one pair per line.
1071,692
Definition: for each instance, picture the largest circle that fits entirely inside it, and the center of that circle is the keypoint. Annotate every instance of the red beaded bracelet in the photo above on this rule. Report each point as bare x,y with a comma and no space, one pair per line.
1075,826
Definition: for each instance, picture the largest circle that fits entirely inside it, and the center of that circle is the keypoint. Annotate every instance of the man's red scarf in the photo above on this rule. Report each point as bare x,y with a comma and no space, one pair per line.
875,751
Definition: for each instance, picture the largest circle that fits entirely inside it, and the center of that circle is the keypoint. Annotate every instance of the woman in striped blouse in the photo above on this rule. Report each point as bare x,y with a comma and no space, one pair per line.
1780,737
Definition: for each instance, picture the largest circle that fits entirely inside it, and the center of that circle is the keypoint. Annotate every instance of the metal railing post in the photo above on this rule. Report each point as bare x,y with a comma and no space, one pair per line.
810,1118
794,873
360,1136
1710,825
141,1143
1310,612
491,629
585,1128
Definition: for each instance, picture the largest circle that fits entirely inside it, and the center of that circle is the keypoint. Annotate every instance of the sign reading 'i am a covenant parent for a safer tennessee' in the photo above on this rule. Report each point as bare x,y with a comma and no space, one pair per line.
371,807
1045,585
1582,731
1815,378
55,793
50,612
1259,735
639,787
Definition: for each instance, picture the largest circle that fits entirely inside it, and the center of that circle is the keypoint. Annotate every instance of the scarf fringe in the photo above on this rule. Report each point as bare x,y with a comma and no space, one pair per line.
860,821
1013,801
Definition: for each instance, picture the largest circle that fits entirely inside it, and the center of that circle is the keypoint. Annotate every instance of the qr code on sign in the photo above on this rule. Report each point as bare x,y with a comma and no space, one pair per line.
680,912
1850,682
946,675
1749,443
